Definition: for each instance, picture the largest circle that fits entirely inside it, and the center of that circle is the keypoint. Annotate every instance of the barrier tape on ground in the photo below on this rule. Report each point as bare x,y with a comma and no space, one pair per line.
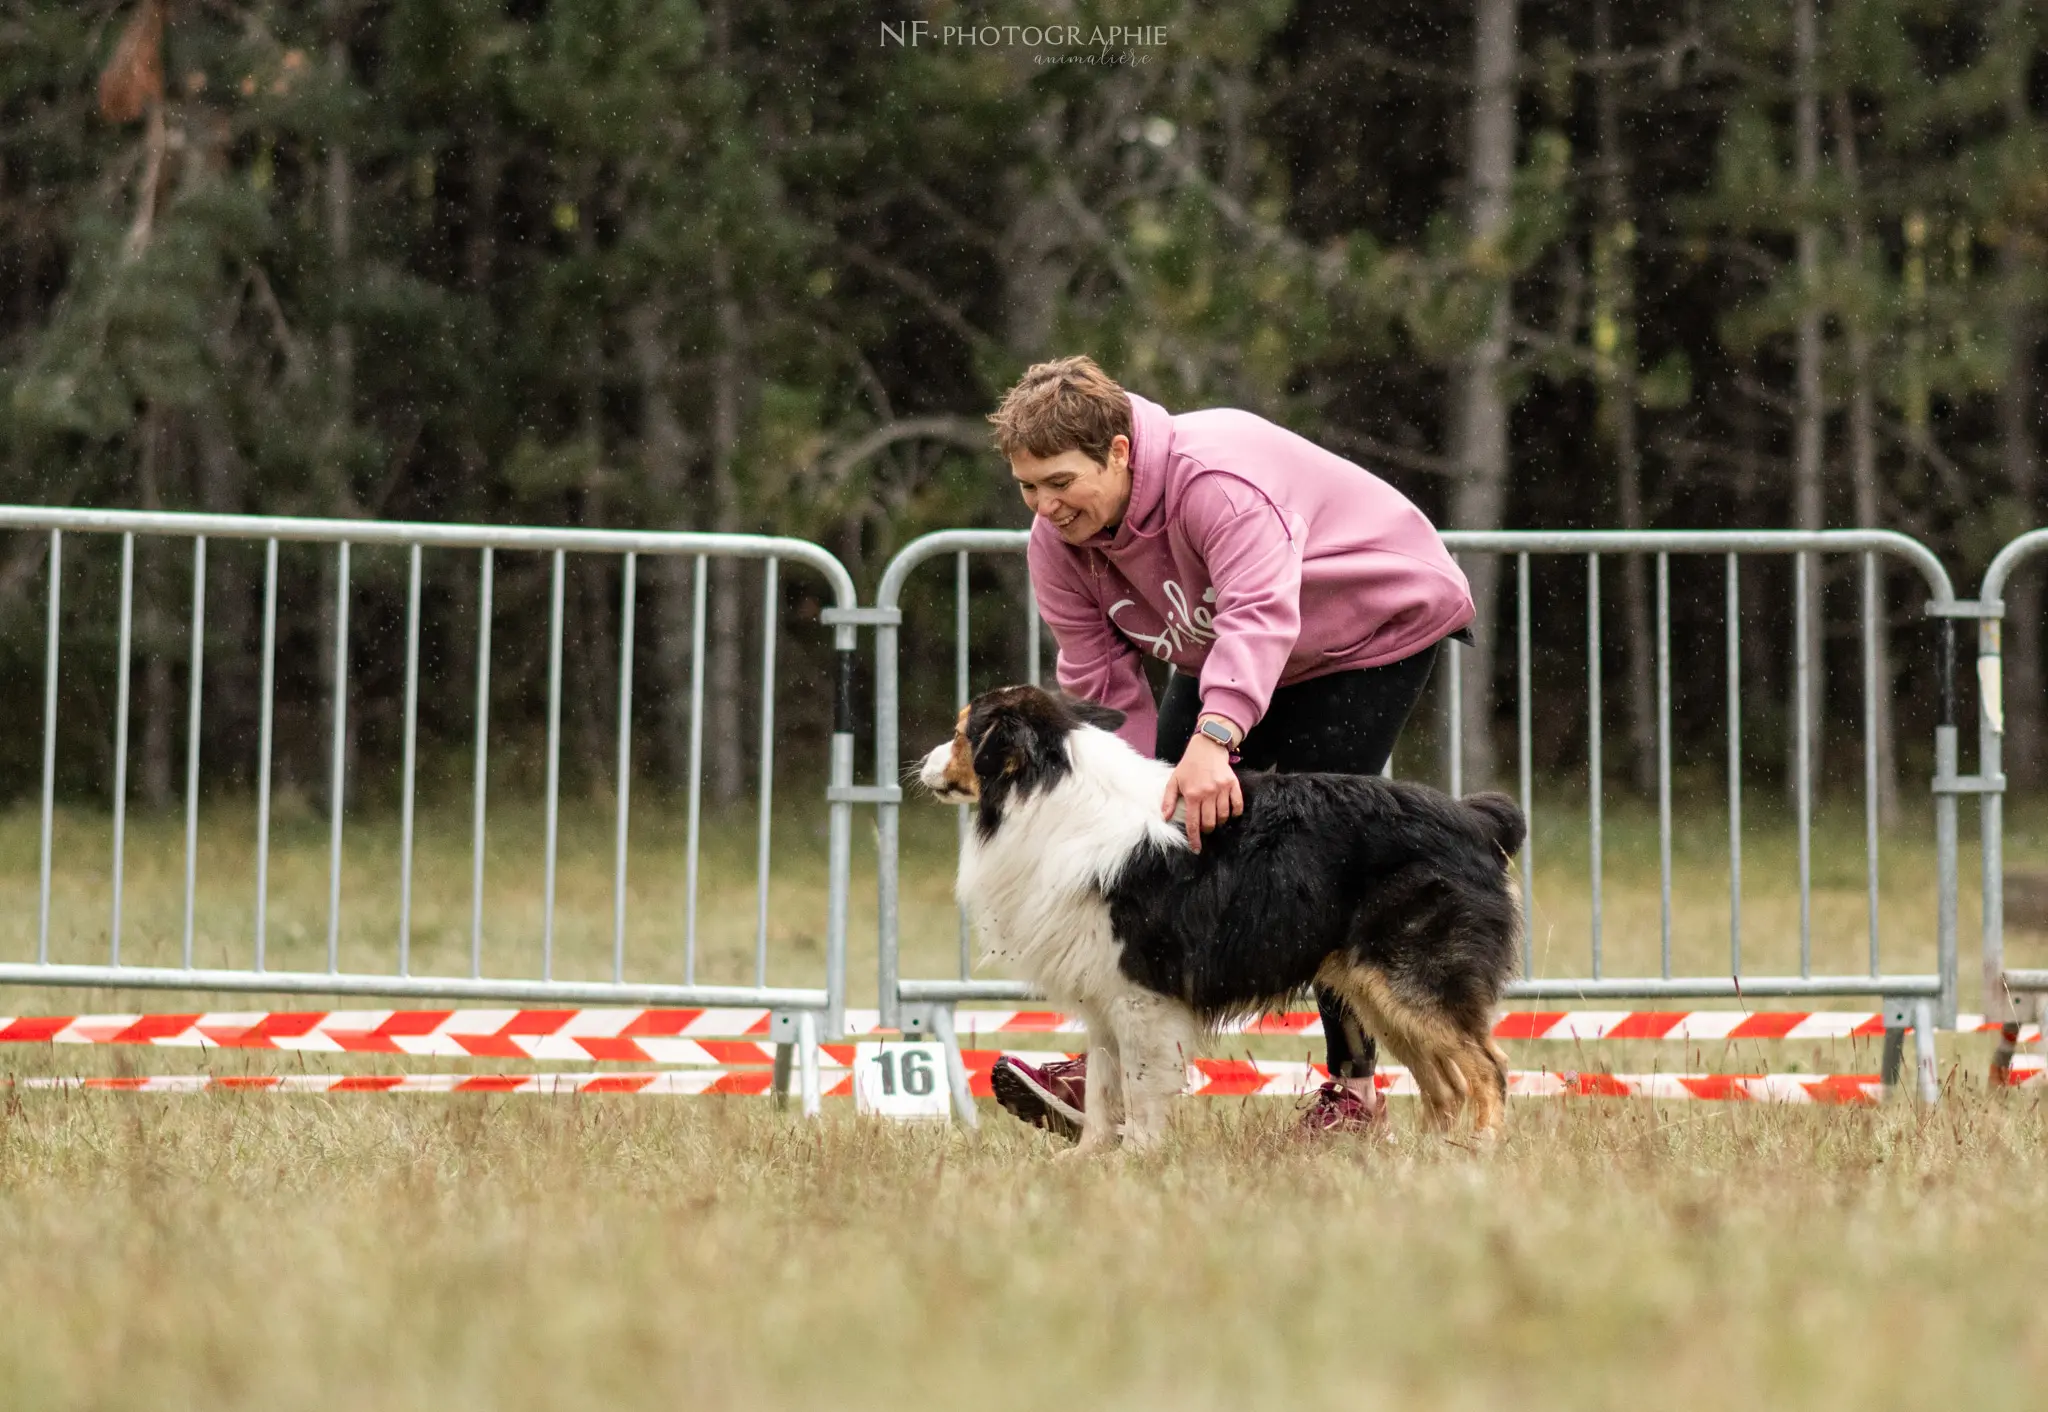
686,1082
1548,1024
1208,1078
1249,1078
738,1036
718,1037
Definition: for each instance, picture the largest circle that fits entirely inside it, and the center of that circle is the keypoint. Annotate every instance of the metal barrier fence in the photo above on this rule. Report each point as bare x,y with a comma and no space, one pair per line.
802,1015
1918,1000
2000,983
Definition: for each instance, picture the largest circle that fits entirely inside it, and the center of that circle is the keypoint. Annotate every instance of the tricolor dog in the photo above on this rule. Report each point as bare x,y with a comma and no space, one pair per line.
1392,894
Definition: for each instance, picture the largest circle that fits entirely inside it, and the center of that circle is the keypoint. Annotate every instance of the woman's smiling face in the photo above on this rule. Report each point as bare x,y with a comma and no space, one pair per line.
1080,497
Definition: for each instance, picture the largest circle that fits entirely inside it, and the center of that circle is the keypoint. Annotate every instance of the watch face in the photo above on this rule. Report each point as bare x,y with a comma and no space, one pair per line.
1217,732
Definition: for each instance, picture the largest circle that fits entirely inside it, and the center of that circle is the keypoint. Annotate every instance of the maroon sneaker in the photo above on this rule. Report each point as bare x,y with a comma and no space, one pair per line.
1337,1109
1050,1097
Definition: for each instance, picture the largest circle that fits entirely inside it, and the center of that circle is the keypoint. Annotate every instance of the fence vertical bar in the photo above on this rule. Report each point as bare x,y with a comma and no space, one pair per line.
49,743
697,594
194,678
1664,753
121,739
1870,703
1802,745
337,773
888,822
1991,822
1593,762
1525,690
557,580
1734,674
1454,709
267,719
1031,632
628,574
960,690
771,604
412,715
839,816
486,573
1945,764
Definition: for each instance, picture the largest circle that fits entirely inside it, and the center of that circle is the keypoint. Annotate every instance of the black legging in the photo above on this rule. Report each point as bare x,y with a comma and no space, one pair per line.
1345,724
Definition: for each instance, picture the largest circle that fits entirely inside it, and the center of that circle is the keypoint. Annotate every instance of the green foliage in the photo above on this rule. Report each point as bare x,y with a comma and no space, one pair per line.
693,263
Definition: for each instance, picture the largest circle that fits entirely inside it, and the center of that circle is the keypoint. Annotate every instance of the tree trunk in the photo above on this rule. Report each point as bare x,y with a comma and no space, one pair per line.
1033,276
1479,424
665,448
1614,346
1754,659
341,354
231,683
1863,473
590,641
2016,399
725,746
1810,411
154,632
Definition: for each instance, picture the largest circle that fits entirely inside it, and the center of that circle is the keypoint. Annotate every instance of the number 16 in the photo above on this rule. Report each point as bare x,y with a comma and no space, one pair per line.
917,1073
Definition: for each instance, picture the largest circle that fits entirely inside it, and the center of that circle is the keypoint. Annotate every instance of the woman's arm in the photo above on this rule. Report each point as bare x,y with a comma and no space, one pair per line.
1095,660
1253,554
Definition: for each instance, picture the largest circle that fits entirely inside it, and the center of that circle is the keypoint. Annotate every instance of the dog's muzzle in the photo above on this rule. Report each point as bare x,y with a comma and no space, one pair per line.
931,773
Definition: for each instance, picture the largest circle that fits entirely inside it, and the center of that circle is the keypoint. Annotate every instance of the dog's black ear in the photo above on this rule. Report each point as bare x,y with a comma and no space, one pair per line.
997,745
1090,713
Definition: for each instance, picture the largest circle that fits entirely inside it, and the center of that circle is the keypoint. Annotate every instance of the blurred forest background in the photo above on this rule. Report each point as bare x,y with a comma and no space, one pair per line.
715,265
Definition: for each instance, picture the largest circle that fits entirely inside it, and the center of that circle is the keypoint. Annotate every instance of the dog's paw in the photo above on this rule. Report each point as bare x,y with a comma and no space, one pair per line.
1085,1150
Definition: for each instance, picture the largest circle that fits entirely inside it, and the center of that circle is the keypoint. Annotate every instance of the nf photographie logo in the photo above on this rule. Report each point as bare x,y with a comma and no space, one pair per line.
1055,44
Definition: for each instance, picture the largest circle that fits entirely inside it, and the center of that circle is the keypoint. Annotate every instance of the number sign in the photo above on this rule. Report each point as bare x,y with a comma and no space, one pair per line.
901,1080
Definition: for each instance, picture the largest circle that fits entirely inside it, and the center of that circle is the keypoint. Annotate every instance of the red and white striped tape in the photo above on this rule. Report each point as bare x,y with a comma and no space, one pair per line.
1207,1078
687,1082
1248,1078
1547,1024
739,1036
722,1037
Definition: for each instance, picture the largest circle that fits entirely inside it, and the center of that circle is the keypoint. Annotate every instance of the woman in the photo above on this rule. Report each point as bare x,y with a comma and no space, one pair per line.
1298,598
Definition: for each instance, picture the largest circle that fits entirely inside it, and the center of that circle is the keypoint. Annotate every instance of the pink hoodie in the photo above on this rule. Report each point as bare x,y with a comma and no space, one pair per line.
1249,555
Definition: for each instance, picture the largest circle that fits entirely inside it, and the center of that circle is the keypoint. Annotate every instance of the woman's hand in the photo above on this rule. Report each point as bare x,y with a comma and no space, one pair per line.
1208,786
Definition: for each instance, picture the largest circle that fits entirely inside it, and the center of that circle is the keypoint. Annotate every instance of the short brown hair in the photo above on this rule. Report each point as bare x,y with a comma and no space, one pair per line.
1068,404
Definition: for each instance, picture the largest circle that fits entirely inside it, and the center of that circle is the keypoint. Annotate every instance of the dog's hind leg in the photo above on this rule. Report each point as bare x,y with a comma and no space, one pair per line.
1498,1059
1459,1082
1419,1035
1486,1083
1155,1037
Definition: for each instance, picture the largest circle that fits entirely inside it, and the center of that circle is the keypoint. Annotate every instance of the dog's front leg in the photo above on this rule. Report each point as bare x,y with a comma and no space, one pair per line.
1102,1110
1155,1038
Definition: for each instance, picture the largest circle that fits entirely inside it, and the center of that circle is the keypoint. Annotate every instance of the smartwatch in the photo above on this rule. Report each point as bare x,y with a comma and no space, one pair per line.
1218,731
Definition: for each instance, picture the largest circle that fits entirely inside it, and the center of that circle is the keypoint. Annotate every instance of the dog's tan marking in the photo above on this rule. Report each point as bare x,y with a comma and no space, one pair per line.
1453,1069
959,774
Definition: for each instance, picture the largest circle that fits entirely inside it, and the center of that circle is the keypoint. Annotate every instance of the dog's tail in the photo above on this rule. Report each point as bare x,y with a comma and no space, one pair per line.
1502,819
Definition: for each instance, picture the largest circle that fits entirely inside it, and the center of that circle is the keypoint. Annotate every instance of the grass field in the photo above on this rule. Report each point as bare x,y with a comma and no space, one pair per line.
243,1251
231,1251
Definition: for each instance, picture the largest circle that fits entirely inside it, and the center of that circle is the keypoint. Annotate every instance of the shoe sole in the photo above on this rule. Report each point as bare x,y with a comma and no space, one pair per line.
1381,1131
1032,1103
1380,1126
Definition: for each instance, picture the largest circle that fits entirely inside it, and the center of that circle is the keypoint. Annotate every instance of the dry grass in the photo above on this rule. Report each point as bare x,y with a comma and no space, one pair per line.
234,1251
243,1251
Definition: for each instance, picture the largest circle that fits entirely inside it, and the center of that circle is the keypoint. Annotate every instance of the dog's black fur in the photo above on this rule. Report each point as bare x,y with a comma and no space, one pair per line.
1393,876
